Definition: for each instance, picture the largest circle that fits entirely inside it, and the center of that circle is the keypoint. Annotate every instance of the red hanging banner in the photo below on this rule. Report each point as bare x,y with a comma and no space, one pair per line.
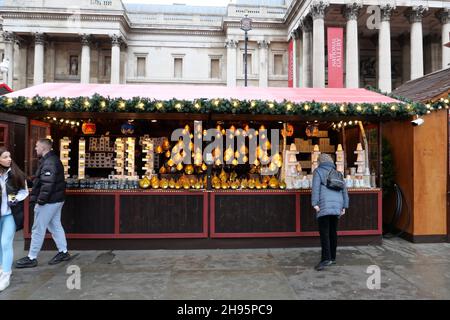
335,57
291,64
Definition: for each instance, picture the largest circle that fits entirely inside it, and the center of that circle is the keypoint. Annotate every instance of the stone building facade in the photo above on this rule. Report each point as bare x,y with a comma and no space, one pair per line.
105,41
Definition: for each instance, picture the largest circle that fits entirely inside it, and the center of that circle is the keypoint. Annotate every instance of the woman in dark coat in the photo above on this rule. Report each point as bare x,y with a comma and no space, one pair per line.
329,205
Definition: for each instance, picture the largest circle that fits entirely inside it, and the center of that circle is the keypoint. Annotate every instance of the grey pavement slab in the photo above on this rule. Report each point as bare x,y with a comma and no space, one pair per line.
407,271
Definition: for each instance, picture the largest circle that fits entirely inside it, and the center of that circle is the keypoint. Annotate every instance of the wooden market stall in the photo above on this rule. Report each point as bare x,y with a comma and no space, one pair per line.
421,159
247,210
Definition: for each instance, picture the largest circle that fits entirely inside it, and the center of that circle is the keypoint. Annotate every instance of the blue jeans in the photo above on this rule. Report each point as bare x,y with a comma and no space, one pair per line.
47,216
7,232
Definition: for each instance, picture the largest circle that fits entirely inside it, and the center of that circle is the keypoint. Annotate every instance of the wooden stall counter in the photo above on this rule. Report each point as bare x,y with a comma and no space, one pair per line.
206,219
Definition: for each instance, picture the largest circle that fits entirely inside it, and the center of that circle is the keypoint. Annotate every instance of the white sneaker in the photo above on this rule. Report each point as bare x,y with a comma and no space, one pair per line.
4,281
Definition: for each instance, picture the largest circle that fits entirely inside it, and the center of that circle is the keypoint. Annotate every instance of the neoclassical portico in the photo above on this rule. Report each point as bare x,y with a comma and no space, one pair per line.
354,18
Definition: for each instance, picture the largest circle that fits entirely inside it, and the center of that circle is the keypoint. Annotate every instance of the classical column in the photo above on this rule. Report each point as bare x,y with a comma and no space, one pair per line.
85,58
298,71
415,18
351,12
9,39
293,38
231,46
444,17
39,39
384,50
23,53
318,14
435,50
306,27
115,59
263,63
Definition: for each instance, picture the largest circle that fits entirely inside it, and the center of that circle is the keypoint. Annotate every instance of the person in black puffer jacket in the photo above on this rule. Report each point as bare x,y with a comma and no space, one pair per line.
48,195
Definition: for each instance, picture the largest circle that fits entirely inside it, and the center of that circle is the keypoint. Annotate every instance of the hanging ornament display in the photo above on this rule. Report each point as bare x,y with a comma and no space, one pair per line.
127,128
289,130
89,128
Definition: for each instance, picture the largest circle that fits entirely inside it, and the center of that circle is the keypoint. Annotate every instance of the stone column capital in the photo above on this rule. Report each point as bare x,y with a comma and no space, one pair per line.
415,14
231,44
116,40
86,39
9,37
263,44
306,24
351,10
443,16
39,38
386,12
318,9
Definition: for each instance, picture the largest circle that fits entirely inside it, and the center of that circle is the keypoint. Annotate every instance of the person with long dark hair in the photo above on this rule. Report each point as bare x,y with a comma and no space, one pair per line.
13,189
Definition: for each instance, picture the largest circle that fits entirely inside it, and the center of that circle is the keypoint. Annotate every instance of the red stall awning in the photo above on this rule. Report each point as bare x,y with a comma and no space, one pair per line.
192,92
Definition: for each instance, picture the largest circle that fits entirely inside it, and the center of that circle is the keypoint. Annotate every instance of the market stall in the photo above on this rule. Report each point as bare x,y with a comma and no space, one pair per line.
128,188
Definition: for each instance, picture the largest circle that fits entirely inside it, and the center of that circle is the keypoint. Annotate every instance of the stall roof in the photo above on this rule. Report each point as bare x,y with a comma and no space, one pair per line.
427,88
189,92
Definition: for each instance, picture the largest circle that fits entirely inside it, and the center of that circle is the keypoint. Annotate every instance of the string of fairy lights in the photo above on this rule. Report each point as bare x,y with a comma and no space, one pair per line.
97,103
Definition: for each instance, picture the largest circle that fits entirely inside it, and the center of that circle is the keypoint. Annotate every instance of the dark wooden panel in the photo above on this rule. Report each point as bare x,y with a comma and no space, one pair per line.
161,214
361,215
86,214
254,213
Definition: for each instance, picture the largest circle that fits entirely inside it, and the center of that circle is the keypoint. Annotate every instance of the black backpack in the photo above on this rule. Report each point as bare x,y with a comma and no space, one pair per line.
335,180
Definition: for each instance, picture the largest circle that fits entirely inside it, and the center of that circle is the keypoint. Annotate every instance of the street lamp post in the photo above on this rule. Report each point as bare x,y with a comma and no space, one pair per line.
246,25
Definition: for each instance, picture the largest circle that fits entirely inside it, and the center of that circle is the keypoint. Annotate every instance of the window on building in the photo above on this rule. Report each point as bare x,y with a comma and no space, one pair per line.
278,64
141,67
249,64
215,68
178,68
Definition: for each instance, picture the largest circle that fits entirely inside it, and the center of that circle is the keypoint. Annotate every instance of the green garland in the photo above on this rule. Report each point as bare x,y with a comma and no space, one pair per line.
426,108
98,103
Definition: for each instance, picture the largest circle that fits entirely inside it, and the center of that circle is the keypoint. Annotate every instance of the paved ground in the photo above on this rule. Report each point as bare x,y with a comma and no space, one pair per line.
408,271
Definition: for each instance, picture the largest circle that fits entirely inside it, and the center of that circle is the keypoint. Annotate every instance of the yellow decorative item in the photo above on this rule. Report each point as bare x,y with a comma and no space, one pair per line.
225,185
159,149
162,170
155,184
251,184
258,184
171,183
177,185
244,184
186,185
144,183
180,167
170,163
282,185
189,169
167,154
223,176
273,183
165,144
192,181
164,183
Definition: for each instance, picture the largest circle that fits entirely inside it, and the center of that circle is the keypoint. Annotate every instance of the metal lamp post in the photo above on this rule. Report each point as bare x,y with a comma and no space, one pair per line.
246,25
